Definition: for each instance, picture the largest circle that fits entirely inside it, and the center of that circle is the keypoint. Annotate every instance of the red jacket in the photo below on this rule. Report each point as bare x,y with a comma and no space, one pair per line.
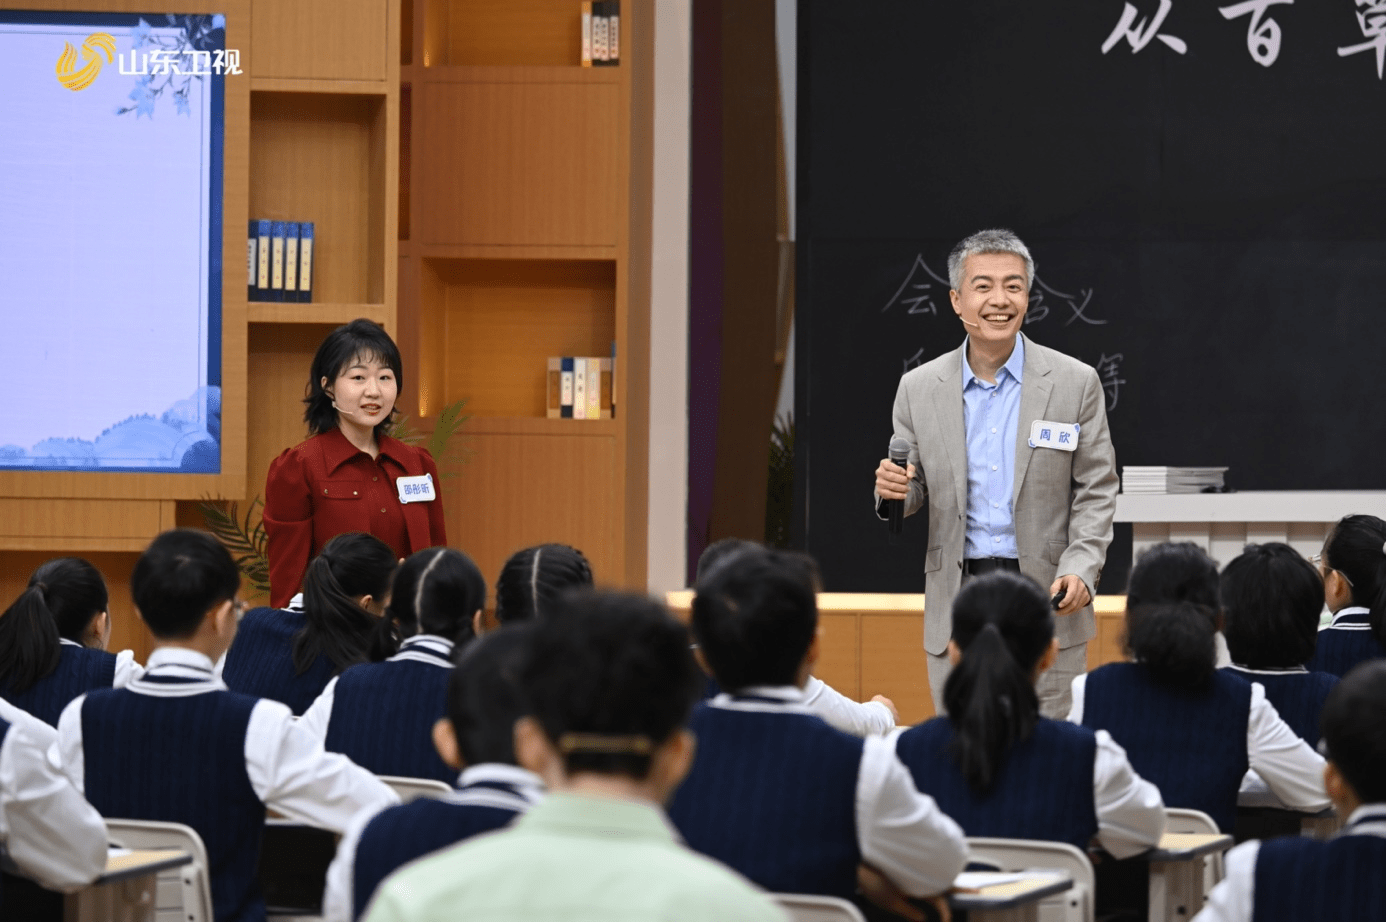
326,486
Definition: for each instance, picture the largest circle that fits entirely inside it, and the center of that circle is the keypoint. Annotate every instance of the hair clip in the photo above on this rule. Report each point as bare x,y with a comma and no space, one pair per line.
570,743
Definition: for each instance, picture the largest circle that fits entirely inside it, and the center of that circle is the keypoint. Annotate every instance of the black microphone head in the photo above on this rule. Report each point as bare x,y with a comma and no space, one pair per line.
899,451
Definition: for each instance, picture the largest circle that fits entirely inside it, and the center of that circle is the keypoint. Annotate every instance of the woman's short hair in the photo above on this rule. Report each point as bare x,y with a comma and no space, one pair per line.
361,338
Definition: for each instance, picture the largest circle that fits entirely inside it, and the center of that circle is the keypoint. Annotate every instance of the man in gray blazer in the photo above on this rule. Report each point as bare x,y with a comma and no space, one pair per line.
1010,446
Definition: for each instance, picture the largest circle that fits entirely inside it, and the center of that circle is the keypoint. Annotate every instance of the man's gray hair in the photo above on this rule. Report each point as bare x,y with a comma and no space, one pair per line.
995,240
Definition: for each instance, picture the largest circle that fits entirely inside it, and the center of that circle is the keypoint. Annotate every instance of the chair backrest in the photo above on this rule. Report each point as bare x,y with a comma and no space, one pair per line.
1074,905
184,894
1181,820
413,788
806,907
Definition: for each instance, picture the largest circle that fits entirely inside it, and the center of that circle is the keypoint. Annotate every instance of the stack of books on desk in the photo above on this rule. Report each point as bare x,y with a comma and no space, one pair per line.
1171,479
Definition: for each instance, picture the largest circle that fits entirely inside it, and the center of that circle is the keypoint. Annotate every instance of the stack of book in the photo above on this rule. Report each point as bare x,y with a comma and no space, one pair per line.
1171,479
581,388
601,33
280,261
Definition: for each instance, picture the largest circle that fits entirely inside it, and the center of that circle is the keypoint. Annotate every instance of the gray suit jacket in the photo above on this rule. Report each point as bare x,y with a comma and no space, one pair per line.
1063,501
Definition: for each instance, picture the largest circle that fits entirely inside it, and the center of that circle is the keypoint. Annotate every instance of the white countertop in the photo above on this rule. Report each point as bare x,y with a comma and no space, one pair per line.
1250,506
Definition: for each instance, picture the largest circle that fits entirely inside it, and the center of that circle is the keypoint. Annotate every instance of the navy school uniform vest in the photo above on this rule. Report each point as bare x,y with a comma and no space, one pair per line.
1298,697
1299,879
773,795
1344,644
79,670
261,661
383,716
181,760
1189,744
398,835
1043,790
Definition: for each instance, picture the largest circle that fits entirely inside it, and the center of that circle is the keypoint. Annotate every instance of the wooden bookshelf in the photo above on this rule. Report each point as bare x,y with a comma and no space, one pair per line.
515,246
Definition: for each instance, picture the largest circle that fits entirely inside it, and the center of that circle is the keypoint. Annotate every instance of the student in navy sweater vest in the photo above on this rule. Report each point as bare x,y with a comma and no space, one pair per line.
1353,566
532,580
291,654
177,746
1271,599
1187,726
777,793
53,640
382,714
1294,878
999,768
478,733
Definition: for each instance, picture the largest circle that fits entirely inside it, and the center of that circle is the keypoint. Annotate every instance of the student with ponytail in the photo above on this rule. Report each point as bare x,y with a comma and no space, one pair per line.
532,580
1186,725
1353,566
290,654
53,640
381,714
1000,769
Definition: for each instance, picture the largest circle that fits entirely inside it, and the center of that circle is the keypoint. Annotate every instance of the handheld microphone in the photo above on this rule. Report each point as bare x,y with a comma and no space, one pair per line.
900,456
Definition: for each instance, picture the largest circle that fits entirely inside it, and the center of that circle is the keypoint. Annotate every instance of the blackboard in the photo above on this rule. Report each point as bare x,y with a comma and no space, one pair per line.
1209,229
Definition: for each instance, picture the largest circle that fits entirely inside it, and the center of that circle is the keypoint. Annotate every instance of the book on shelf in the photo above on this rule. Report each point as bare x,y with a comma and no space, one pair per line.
279,261
586,33
290,260
579,387
601,33
276,285
1159,479
305,261
262,256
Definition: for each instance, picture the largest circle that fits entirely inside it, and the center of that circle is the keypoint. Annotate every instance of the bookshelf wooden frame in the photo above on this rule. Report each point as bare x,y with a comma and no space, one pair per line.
516,245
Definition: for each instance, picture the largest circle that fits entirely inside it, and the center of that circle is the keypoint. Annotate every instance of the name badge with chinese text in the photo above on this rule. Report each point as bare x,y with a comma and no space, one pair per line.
1063,436
416,489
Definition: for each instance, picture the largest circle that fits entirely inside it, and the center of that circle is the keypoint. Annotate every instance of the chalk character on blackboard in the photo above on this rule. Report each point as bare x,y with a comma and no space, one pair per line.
1262,35
1109,370
1372,19
915,281
1139,34
995,502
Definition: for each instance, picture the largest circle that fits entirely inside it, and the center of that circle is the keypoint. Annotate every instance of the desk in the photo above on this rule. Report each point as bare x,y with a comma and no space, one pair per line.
1008,899
126,892
1177,883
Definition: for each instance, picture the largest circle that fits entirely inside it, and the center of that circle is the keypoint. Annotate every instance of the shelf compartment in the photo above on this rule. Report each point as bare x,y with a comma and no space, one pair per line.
320,39
496,322
326,313
321,157
545,32
519,164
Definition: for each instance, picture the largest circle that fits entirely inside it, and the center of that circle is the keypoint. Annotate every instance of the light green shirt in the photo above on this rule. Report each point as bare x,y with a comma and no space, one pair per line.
572,858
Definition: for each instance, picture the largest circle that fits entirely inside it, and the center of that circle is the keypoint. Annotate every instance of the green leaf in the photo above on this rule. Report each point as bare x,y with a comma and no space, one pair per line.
244,537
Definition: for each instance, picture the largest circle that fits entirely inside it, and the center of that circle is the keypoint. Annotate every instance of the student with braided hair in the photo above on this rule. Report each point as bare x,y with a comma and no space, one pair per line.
53,640
381,714
290,654
1353,566
532,580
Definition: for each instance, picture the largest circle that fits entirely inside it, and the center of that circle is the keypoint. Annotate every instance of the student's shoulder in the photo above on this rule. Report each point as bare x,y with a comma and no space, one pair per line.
450,873
694,885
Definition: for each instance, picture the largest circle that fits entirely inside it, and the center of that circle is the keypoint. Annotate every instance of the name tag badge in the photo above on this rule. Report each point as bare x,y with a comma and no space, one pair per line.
1063,436
416,489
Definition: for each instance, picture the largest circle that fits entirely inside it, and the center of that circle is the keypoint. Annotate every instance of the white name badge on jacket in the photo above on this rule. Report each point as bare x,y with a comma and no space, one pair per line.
416,489
1063,436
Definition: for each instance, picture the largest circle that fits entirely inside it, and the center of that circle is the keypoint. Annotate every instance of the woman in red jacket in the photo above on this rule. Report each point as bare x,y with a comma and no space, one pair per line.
349,475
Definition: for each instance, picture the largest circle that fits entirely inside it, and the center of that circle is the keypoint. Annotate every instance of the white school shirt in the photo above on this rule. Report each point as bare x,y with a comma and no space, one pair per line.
126,669
287,767
46,826
1276,753
341,885
421,648
1130,810
1254,791
1233,900
901,832
859,718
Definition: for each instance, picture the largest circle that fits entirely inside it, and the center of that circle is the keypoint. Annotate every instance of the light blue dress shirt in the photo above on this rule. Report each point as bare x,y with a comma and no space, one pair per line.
991,413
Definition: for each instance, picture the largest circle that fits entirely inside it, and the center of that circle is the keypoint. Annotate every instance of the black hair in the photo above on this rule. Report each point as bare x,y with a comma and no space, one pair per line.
350,566
360,338
533,579
179,577
1271,599
1354,729
718,552
1172,611
1002,623
755,617
484,698
1356,548
62,598
436,591
609,677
